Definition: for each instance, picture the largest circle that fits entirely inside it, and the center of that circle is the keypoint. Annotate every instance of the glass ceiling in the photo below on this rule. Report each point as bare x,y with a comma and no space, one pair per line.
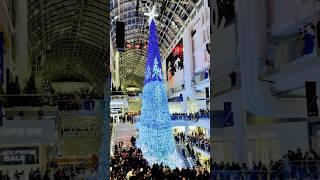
69,40
173,16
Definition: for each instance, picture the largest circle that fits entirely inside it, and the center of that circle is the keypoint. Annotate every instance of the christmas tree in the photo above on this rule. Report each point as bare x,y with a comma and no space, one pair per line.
155,130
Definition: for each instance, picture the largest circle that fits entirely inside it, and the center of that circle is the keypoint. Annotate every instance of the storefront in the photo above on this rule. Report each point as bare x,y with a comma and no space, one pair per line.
175,107
134,106
118,107
86,162
116,113
179,129
196,130
204,158
194,106
23,158
25,144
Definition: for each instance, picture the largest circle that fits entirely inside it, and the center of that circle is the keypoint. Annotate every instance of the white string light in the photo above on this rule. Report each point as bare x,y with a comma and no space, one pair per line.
152,14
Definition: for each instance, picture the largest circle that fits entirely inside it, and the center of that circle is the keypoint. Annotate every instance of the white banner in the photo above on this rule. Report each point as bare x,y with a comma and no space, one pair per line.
27,132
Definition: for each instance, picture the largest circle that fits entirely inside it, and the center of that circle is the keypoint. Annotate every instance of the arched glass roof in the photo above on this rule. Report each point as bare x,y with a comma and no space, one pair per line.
173,16
69,40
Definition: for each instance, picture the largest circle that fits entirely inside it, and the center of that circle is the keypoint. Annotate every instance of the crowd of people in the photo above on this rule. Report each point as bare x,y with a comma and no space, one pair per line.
128,163
74,131
87,105
189,142
180,137
31,175
37,175
132,118
200,141
129,118
194,139
80,172
227,170
202,114
68,172
299,165
293,165
66,104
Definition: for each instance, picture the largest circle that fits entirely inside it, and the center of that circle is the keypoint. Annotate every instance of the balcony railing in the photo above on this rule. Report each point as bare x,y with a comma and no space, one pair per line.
189,117
281,15
294,49
307,169
175,90
31,100
199,77
30,114
184,117
226,82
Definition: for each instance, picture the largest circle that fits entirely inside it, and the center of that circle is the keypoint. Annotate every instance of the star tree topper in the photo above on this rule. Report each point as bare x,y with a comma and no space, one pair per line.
152,14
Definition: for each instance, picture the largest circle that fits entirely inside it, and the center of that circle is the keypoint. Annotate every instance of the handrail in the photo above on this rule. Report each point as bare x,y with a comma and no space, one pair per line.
249,174
188,155
200,76
304,161
176,89
184,119
241,171
289,169
180,148
291,53
226,75
287,91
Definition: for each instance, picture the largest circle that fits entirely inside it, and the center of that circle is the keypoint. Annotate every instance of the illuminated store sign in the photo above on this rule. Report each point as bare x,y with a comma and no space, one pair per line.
116,103
119,103
19,155
115,110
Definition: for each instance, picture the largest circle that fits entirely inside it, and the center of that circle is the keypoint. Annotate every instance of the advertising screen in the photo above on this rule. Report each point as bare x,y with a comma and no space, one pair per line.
174,67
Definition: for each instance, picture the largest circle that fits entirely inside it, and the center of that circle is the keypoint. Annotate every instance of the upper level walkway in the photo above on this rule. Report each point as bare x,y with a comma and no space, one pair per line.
202,122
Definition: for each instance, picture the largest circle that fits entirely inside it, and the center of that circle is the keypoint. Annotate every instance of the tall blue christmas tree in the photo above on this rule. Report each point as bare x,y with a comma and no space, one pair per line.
155,138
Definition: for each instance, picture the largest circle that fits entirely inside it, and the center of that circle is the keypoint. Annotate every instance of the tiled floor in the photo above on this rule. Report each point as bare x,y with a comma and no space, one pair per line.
124,132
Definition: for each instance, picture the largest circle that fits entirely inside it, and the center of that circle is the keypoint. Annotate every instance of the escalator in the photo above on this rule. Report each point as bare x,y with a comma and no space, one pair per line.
186,156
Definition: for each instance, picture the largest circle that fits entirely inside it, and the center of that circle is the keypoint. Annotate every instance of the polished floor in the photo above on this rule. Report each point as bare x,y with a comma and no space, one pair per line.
123,132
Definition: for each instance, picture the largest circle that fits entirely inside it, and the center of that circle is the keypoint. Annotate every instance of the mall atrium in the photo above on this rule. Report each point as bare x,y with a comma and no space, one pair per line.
88,85
159,89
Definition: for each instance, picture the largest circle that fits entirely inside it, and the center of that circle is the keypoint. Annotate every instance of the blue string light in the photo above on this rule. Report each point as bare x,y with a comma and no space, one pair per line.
155,138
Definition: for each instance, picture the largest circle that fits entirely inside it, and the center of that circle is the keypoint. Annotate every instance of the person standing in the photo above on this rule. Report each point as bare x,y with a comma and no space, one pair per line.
46,175
308,43
129,174
6,175
16,175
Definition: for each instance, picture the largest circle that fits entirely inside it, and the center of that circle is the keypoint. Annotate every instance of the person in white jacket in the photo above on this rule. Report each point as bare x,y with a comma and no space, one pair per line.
129,174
